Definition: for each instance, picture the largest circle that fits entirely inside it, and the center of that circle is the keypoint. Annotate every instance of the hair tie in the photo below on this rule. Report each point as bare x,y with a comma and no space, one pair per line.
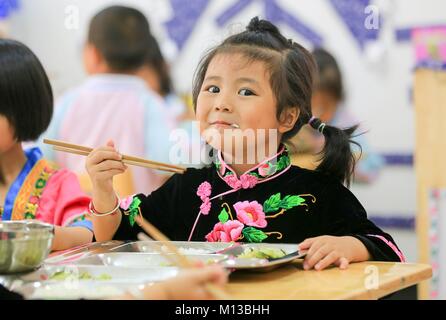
317,124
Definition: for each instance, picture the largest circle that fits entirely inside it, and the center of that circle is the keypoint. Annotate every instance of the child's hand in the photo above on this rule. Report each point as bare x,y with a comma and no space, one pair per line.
103,164
188,285
324,251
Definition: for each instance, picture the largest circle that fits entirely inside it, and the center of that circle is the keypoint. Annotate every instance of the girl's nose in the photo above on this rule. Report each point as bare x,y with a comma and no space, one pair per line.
223,106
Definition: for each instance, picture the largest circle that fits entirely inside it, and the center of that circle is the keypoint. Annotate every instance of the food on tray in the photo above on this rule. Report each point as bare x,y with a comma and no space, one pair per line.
63,275
187,251
262,253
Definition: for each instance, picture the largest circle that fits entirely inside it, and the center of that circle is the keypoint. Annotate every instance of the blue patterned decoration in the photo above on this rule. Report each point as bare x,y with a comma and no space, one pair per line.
353,15
7,7
275,14
186,15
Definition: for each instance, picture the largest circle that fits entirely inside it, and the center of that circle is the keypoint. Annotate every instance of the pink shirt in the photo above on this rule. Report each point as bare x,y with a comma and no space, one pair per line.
117,107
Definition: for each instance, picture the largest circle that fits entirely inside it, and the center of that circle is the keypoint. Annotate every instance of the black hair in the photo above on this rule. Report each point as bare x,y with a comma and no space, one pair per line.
26,98
155,60
292,69
120,34
329,77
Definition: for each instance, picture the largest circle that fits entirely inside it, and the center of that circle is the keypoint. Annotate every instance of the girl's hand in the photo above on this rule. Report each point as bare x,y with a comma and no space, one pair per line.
324,251
102,165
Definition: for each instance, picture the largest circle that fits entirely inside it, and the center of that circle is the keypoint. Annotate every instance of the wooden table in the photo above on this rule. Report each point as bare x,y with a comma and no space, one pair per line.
366,280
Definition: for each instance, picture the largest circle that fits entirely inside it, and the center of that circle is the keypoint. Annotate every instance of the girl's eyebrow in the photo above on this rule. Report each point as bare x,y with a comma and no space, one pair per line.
210,78
242,79
249,80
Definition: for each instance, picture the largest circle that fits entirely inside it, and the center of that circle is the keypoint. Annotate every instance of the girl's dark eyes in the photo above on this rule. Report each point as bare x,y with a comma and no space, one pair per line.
242,92
213,89
246,92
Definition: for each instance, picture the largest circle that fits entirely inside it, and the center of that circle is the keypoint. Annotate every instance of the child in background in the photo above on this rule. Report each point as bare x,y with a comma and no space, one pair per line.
31,187
155,73
254,80
93,112
327,105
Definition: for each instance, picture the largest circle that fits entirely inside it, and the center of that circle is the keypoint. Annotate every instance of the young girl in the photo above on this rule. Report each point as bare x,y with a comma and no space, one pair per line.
30,186
256,79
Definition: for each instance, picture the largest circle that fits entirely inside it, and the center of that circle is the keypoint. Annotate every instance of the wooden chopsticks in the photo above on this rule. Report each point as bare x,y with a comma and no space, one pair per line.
175,256
131,160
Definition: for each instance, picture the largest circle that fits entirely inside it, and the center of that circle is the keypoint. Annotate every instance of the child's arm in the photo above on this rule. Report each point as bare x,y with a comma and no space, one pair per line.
69,237
102,165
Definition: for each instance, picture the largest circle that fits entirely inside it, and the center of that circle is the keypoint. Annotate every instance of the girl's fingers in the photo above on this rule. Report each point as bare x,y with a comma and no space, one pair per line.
343,263
109,165
111,144
306,244
328,260
316,256
105,175
315,246
99,156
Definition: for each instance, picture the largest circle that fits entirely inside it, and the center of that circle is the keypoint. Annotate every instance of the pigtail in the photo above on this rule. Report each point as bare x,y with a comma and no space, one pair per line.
337,158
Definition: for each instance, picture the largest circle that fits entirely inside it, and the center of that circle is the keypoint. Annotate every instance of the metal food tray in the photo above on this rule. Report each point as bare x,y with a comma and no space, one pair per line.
116,274
185,247
146,254
143,260
81,290
40,285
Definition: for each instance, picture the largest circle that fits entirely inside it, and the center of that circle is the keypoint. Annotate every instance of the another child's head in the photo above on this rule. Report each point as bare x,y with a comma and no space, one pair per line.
155,70
117,40
328,87
26,98
258,79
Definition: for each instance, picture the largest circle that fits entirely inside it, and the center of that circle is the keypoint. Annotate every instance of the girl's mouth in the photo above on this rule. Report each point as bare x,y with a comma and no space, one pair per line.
224,124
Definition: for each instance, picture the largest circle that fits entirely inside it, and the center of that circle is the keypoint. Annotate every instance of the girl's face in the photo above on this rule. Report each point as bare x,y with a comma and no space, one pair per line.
236,96
7,139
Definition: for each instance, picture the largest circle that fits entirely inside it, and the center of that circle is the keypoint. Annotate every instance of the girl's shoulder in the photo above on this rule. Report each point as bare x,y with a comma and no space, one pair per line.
316,181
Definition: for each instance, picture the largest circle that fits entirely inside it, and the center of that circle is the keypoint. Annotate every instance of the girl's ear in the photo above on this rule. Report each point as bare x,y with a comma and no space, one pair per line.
288,119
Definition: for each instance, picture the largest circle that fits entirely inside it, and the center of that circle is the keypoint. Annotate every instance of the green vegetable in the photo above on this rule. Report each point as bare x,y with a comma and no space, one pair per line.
262,253
63,275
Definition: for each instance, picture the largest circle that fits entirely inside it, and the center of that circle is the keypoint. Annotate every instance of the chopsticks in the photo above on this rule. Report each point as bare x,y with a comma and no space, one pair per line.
131,160
175,256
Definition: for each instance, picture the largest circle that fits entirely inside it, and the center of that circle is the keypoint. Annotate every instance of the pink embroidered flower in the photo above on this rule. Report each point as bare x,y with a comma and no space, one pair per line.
125,203
204,190
250,213
225,232
232,181
205,206
266,169
248,181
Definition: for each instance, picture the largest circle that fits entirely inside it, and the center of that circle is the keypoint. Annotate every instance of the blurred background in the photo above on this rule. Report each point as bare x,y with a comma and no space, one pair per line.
373,42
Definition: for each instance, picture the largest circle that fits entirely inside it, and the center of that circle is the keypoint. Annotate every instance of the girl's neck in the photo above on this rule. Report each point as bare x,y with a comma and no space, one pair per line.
11,163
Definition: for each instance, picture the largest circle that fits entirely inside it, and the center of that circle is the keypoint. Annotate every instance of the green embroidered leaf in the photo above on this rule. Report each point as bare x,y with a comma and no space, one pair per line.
133,210
291,201
223,216
283,163
252,234
272,204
